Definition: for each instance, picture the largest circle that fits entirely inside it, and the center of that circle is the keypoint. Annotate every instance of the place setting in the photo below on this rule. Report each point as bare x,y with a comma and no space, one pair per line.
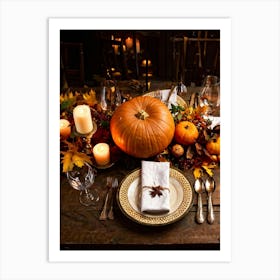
177,150
142,161
155,195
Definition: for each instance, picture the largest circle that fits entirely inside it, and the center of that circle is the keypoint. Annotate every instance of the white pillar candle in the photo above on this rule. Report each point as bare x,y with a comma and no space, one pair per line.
65,128
101,153
83,119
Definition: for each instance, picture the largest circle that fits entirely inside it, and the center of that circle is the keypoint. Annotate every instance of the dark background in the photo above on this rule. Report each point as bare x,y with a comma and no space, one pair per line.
87,56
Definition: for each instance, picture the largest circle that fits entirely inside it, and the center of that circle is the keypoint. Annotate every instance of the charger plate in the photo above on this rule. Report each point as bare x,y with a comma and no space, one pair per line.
181,199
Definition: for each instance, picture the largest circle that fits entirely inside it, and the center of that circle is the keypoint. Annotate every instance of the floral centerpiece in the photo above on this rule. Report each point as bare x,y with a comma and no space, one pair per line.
195,145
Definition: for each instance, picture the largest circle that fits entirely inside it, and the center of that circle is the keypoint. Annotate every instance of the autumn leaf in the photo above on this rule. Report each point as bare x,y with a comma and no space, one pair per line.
156,191
90,98
72,157
80,158
189,153
68,97
77,160
197,172
71,147
65,104
192,114
201,110
67,100
176,109
208,170
67,161
190,111
198,148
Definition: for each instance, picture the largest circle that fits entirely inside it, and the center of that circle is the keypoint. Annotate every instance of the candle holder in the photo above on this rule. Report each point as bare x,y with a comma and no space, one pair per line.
86,138
110,164
101,156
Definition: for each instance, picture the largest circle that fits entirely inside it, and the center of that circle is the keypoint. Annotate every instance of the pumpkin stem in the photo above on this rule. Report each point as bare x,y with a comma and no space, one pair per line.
142,115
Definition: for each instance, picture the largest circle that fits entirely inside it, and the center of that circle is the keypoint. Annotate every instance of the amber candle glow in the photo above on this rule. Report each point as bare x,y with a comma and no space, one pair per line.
65,128
101,153
83,119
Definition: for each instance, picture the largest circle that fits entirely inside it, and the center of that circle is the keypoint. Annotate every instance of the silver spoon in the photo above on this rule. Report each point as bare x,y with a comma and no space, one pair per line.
210,188
199,189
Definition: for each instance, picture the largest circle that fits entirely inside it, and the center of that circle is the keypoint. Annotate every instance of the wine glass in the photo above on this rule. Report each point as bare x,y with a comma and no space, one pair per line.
81,179
210,94
108,96
158,95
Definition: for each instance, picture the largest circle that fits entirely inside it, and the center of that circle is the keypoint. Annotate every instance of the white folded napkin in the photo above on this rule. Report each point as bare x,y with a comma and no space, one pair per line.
155,187
182,89
172,99
214,120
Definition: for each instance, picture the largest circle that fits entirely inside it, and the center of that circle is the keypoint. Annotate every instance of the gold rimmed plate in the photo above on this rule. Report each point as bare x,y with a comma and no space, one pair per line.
181,199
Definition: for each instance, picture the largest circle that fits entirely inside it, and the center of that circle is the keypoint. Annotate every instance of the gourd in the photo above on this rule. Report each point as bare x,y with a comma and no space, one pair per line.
186,133
177,150
142,127
213,146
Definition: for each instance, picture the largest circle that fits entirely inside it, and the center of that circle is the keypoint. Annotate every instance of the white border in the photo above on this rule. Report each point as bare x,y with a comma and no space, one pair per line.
255,159
55,25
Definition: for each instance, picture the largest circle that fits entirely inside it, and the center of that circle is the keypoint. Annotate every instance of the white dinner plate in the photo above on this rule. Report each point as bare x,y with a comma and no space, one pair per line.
181,199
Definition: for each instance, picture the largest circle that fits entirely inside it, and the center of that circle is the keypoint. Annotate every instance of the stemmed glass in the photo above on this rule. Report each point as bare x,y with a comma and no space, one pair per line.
81,179
108,96
210,94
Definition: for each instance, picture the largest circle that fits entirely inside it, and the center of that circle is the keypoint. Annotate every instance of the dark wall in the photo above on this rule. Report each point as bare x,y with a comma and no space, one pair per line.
162,47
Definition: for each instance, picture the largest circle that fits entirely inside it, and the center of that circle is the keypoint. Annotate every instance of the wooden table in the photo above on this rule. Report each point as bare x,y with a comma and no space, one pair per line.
81,228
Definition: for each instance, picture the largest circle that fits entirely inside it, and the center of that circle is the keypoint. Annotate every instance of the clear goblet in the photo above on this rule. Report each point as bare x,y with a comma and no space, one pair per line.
210,94
81,179
108,96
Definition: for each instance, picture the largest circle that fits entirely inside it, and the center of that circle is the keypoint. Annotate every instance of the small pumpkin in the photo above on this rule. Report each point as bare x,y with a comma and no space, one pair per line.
142,127
177,150
213,146
186,133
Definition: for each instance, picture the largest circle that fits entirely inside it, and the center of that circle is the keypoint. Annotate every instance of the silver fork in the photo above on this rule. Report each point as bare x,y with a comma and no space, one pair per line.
109,184
115,184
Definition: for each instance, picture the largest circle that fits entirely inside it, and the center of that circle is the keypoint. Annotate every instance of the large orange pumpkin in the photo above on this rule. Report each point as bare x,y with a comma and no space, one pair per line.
186,133
142,127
